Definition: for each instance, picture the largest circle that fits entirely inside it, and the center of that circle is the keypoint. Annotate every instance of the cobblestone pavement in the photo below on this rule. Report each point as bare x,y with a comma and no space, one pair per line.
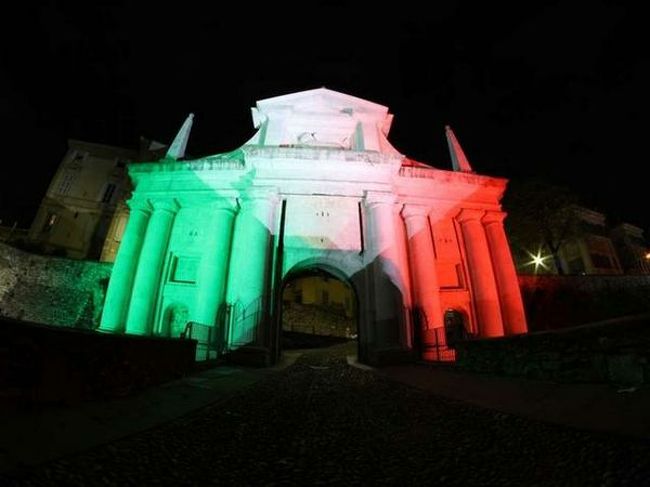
321,422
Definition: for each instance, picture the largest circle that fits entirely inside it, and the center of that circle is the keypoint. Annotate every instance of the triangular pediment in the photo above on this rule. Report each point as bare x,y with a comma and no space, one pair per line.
321,100
322,118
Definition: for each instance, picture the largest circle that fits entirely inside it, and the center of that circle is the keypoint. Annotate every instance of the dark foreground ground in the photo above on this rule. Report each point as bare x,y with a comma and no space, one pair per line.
322,422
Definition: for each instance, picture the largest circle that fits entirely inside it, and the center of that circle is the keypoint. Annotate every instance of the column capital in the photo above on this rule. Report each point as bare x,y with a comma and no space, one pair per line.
261,207
372,198
410,211
493,217
139,205
255,201
170,205
223,204
467,214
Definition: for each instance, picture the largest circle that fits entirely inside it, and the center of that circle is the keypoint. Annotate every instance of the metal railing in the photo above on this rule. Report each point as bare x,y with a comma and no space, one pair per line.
442,352
206,337
437,350
243,322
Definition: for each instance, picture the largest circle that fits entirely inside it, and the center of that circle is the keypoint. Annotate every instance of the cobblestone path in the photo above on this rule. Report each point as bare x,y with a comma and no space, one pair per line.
321,422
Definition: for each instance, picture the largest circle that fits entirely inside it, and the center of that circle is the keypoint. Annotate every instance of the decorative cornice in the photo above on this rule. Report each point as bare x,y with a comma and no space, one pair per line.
230,160
317,153
451,176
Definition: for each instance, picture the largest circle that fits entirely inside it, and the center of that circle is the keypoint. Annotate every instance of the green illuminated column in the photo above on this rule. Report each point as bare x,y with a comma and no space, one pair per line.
147,277
121,283
248,276
213,269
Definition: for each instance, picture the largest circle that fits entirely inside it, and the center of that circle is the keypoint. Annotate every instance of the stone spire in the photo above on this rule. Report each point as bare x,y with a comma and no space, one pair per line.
177,149
458,159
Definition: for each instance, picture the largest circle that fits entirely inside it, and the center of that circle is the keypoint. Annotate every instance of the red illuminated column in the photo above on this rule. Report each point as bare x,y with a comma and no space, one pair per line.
512,308
426,292
147,277
120,286
484,290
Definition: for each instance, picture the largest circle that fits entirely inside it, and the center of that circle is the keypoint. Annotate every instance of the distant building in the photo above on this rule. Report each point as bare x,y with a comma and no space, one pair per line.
321,291
593,251
597,249
632,248
74,217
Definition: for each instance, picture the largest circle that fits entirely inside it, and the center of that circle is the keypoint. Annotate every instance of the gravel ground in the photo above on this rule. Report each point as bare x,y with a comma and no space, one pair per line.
321,422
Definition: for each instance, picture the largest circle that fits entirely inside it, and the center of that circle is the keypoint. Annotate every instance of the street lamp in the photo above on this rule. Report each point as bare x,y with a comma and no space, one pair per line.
538,260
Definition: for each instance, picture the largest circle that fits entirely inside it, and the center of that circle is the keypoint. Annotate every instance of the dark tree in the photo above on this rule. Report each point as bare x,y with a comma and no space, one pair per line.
541,215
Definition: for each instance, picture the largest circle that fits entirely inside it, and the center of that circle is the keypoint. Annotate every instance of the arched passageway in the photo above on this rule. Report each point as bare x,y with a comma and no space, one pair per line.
318,309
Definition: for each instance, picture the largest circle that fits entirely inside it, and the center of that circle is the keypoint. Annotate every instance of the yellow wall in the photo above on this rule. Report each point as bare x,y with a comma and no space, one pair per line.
313,290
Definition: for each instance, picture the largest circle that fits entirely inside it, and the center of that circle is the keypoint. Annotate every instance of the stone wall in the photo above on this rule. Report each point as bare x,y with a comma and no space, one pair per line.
615,351
52,290
554,302
51,364
317,320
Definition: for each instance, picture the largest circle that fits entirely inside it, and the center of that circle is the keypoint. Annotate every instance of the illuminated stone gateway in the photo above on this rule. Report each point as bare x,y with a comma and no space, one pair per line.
319,186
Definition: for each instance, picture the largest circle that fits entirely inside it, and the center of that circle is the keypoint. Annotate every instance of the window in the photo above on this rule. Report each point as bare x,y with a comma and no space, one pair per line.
108,193
67,179
184,269
49,222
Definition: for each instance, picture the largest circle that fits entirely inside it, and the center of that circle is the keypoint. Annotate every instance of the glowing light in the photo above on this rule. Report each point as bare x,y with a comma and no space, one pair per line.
538,260
647,256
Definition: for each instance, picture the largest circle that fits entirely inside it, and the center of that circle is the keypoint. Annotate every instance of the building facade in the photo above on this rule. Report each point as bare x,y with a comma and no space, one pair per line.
79,204
78,209
592,251
632,248
214,240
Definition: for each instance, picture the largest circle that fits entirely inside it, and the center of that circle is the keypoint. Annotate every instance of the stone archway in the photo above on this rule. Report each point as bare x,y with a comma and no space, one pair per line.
319,305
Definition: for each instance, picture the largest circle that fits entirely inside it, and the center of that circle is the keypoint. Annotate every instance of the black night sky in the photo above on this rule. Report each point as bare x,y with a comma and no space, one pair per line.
551,91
